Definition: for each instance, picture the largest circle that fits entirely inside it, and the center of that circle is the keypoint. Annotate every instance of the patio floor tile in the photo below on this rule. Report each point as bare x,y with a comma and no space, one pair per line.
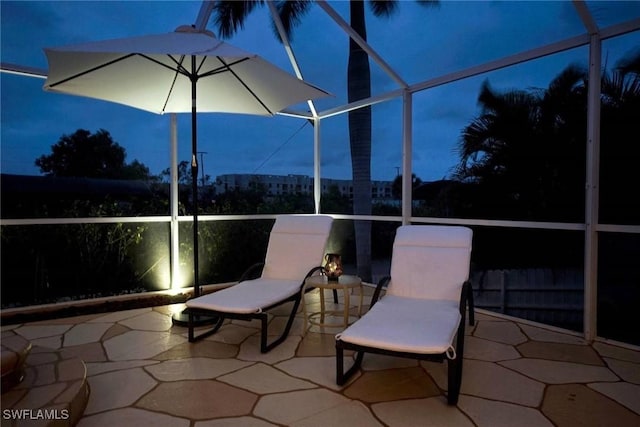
84,333
482,349
578,353
431,412
488,413
118,389
199,400
140,344
383,386
578,405
481,379
319,370
502,332
132,417
628,371
539,334
263,379
623,393
235,422
289,408
553,372
353,414
142,371
196,368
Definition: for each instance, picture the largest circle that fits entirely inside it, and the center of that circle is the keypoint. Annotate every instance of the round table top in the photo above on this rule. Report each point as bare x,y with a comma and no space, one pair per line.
344,281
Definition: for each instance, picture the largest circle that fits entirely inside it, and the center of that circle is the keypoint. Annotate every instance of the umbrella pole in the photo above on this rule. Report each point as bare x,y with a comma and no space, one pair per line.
194,182
182,319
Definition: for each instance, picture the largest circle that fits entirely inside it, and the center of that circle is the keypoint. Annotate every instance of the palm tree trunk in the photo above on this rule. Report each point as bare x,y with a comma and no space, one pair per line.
359,87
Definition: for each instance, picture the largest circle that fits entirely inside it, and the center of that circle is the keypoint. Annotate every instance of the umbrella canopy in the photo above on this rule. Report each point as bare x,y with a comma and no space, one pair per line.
184,71
154,73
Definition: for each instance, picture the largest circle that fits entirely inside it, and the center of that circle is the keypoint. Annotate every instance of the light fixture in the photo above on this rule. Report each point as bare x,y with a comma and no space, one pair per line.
333,266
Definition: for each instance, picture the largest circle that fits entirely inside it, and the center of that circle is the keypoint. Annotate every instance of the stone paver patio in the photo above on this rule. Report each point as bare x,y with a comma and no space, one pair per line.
141,370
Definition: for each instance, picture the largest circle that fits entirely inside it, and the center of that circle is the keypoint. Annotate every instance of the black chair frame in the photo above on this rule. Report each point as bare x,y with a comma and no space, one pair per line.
251,273
454,366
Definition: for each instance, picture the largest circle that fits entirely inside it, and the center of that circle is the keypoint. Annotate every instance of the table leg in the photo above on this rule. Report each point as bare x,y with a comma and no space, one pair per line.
304,309
346,306
321,305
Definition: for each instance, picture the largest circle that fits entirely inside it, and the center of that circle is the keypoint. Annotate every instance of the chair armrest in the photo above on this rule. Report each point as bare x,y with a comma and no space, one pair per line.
376,294
252,272
313,270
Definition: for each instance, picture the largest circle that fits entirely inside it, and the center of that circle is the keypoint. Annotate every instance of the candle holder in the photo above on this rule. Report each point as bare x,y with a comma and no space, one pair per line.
333,267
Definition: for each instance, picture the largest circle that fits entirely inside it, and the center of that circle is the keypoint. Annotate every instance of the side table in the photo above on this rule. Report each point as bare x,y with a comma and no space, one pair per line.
346,283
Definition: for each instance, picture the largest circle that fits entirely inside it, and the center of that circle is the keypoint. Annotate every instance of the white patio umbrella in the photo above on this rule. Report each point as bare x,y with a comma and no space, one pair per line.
183,71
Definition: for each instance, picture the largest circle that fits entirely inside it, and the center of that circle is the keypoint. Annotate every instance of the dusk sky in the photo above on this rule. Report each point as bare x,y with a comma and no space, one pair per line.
418,43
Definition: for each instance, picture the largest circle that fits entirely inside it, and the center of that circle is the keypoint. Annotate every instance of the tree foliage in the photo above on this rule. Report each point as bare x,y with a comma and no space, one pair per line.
526,152
88,155
184,175
396,186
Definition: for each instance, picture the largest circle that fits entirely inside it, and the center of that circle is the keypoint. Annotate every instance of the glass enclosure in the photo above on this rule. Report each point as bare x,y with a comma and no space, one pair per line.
497,140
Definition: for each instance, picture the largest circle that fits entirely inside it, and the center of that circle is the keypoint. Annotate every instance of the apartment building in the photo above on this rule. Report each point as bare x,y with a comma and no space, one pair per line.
276,185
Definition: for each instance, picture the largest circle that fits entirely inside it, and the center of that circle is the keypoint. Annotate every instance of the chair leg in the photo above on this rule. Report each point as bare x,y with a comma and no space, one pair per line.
263,333
339,365
454,370
191,325
341,376
455,367
264,347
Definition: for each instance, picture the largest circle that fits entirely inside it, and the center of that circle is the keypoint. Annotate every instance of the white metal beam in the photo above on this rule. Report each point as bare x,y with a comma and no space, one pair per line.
362,43
407,162
204,14
586,17
563,45
289,50
317,189
22,70
592,190
317,176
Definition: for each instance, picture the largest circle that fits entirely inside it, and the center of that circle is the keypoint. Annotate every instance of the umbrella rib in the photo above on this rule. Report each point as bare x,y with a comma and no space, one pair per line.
225,67
90,70
228,67
173,83
179,67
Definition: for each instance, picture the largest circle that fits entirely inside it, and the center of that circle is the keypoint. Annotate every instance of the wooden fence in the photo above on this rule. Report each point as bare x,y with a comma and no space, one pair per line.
545,295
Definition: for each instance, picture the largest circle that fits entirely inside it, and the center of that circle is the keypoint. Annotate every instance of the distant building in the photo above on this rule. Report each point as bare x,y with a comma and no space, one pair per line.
276,185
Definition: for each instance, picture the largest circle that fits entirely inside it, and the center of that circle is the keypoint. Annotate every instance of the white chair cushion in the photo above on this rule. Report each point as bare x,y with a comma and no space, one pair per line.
250,296
296,245
408,325
430,262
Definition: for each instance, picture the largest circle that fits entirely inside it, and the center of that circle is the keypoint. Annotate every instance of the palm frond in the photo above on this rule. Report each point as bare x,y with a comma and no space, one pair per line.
229,16
291,14
383,8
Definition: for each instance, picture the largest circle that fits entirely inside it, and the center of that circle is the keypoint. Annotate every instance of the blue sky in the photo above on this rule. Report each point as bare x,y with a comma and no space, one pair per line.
417,43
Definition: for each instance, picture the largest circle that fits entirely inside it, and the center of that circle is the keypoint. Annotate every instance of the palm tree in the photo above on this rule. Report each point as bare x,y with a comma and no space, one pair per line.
526,150
230,16
619,129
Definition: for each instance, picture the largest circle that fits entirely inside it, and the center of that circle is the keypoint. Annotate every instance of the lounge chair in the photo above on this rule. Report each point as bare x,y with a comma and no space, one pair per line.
424,306
295,251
